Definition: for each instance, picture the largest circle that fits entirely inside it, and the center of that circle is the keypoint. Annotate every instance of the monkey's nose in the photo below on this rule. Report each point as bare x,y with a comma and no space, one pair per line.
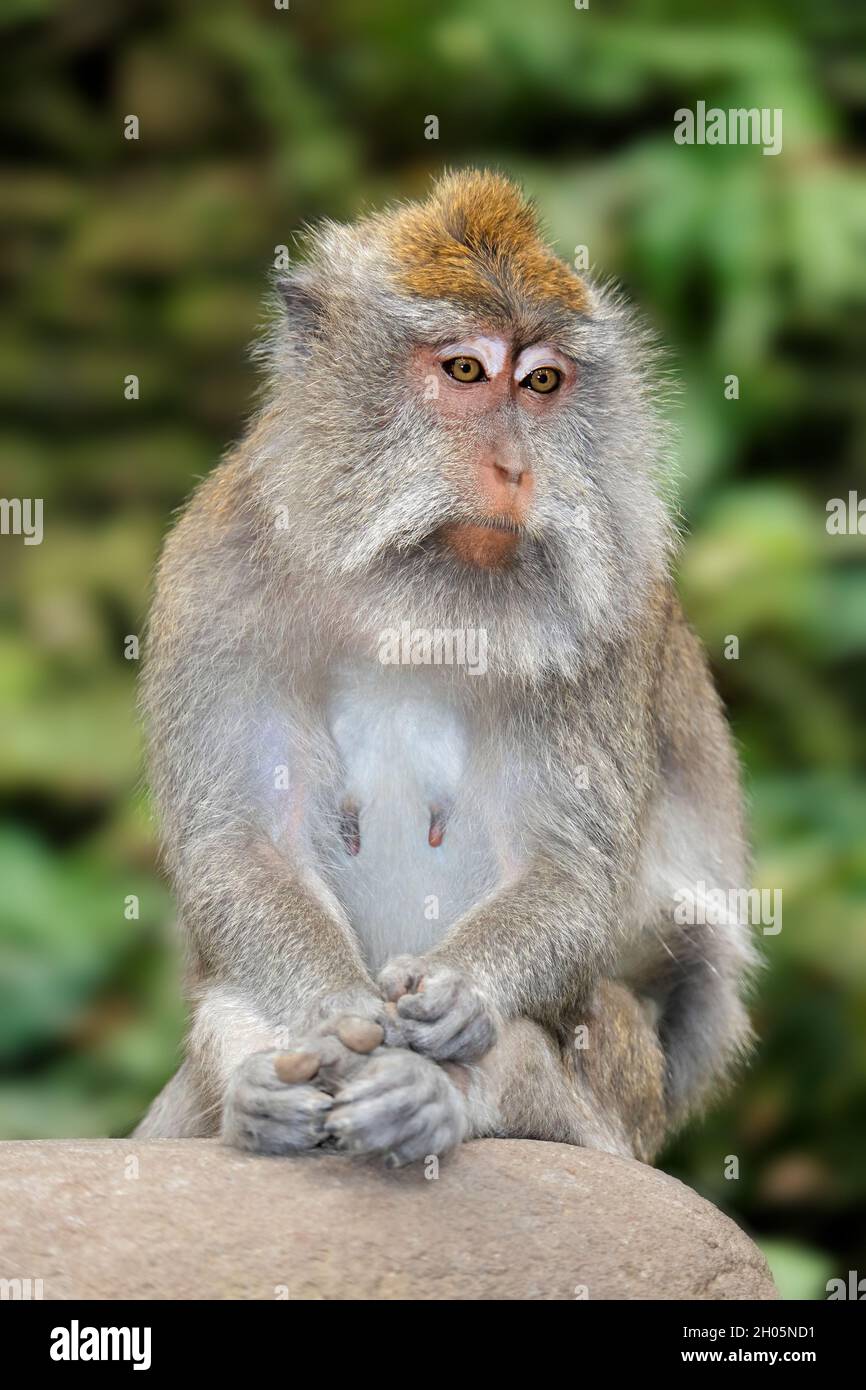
511,474
507,486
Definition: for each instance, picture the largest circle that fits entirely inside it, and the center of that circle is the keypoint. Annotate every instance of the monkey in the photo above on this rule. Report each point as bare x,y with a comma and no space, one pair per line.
428,899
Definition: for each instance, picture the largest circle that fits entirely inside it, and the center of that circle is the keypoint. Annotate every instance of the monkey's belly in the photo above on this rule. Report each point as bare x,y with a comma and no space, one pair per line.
399,891
416,848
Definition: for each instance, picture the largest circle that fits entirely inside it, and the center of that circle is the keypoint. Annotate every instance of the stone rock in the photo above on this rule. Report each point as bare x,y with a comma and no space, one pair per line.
504,1219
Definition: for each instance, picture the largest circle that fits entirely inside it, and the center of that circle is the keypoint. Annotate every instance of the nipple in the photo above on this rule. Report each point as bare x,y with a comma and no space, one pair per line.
438,818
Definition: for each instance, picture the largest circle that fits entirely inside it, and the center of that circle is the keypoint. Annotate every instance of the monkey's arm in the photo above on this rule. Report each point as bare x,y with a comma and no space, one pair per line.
538,944
271,958
228,780
663,816
537,947
269,945
257,925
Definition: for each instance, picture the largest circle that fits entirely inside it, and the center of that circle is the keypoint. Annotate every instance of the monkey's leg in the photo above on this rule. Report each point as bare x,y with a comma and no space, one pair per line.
180,1111
704,1026
225,1030
599,1086
234,1080
399,1104
274,960
600,1083
342,1084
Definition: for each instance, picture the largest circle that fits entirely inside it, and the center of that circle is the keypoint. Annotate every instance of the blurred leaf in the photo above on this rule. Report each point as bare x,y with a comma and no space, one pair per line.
799,1272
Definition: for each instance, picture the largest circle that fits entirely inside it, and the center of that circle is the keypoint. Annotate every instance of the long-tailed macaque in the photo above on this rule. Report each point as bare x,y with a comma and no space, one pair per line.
436,755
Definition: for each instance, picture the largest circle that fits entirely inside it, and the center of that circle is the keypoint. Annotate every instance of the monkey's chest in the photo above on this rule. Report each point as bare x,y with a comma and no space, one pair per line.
418,839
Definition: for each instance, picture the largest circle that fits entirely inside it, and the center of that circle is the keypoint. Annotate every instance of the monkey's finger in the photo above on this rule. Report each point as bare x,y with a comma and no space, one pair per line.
298,1105
462,1034
382,1122
394,1027
441,994
473,1040
400,976
283,1122
359,1034
319,1057
294,1067
435,1136
446,1043
394,1071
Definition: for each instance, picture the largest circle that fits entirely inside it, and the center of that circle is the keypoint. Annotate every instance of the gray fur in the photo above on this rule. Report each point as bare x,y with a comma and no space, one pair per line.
593,771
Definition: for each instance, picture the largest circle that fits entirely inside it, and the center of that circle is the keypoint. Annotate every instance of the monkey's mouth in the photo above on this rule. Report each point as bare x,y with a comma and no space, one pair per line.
487,544
500,523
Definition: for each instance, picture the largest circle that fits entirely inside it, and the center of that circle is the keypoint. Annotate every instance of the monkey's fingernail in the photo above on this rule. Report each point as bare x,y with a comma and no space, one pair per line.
292,1067
360,1034
350,828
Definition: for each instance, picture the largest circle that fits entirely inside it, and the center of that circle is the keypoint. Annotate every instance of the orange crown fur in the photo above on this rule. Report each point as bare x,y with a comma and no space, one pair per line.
477,237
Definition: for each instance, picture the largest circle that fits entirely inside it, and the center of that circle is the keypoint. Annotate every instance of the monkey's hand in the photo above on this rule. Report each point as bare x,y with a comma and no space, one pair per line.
439,1011
400,1105
330,1011
278,1101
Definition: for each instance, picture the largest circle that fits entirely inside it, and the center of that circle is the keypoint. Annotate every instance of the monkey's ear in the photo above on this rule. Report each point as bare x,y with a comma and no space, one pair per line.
303,303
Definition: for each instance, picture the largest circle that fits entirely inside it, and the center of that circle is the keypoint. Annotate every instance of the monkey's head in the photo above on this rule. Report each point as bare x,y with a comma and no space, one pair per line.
461,433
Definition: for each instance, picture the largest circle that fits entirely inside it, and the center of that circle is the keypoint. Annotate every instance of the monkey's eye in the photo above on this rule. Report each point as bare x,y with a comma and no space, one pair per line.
543,380
464,369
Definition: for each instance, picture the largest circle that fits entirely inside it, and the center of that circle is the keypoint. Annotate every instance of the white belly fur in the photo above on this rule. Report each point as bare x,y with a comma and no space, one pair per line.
405,746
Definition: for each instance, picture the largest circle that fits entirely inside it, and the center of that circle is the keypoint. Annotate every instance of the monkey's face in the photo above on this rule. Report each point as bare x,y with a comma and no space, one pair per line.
480,459
493,401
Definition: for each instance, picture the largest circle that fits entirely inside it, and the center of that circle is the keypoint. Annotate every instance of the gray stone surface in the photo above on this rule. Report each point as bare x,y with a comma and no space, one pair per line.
505,1219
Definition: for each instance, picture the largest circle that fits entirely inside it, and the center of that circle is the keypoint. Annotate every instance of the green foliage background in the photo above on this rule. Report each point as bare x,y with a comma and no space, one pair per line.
150,257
